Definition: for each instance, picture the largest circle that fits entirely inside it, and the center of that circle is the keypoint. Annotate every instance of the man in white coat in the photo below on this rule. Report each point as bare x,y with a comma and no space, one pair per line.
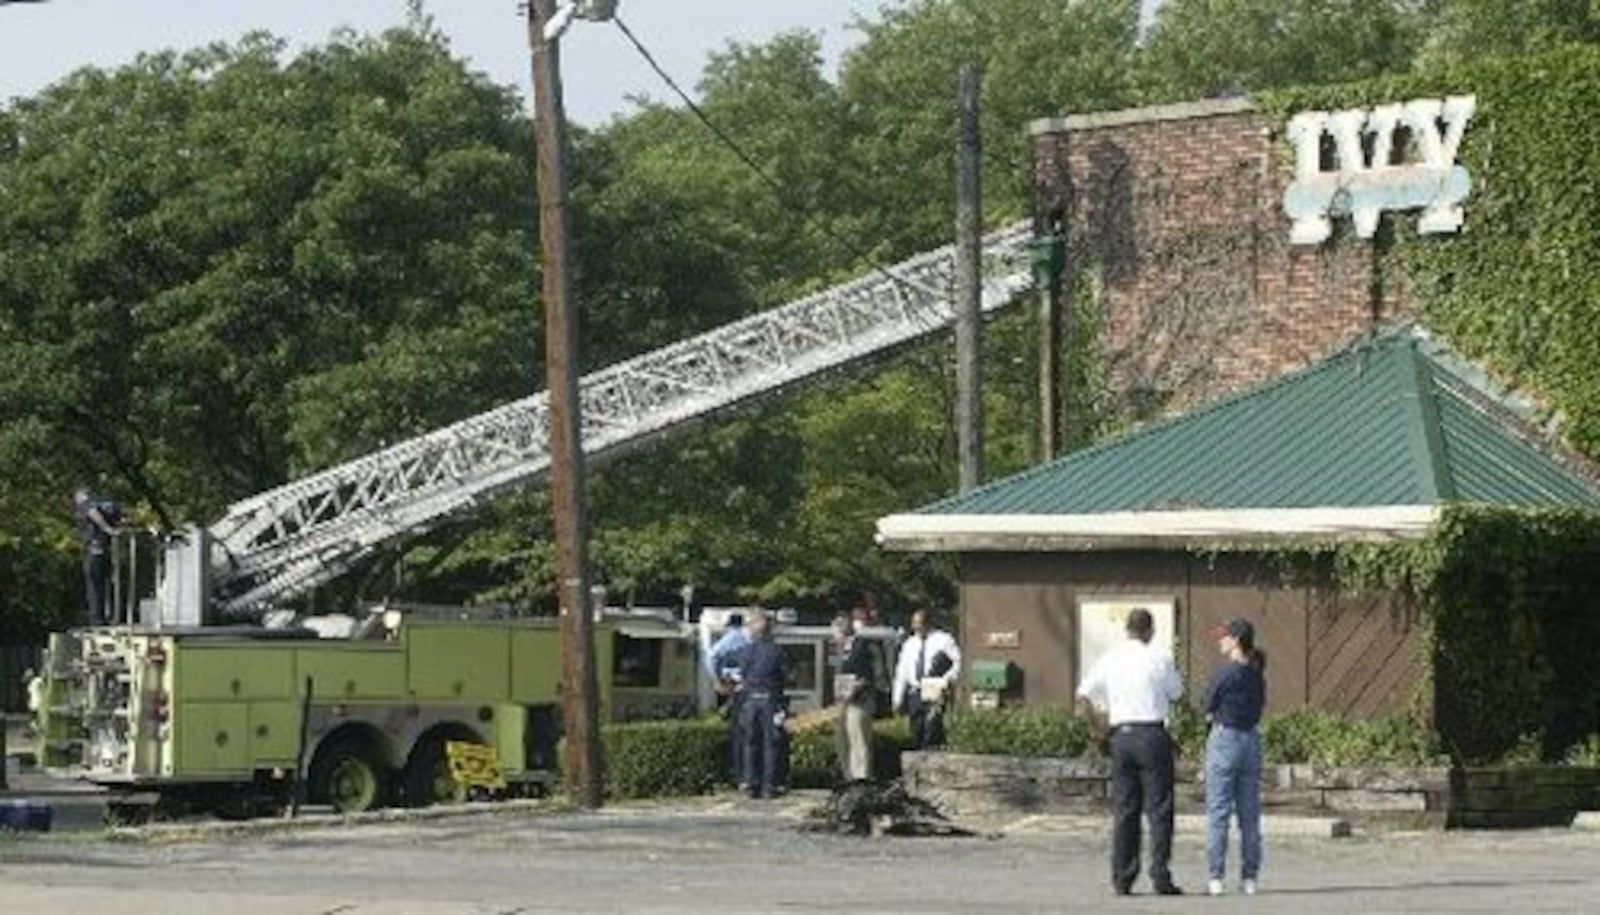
924,676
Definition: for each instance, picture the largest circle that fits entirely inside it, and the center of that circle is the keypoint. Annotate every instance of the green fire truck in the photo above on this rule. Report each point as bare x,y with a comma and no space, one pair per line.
244,720
234,720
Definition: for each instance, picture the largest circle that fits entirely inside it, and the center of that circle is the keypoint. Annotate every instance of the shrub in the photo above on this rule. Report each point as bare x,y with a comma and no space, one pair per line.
674,758
1188,729
1297,737
1021,732
812,758
1528,750
664,758
1324,739
1585,753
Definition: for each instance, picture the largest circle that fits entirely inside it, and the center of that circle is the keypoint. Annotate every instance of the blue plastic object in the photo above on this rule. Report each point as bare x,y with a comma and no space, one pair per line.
24,815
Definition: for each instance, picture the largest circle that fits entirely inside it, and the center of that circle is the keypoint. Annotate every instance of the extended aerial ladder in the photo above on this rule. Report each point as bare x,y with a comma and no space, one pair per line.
281,543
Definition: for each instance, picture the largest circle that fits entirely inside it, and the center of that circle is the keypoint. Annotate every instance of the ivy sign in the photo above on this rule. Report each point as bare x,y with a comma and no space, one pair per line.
1392,157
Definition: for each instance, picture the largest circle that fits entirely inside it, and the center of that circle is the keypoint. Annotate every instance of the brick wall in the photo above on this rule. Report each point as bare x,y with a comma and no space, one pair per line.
1176,230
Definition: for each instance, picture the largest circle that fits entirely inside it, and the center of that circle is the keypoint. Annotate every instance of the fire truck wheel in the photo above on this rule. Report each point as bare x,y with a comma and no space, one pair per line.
427,777
348,775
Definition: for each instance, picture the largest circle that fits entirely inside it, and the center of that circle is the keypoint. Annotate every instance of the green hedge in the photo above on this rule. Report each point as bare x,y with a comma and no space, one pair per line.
1044,731
1516,629
1298,737
674,758
667,758
664,758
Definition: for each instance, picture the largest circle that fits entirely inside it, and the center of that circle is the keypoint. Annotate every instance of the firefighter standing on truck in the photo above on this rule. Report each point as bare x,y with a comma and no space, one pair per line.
96,520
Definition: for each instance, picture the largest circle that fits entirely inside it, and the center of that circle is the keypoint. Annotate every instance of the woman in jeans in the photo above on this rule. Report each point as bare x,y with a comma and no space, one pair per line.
1234,698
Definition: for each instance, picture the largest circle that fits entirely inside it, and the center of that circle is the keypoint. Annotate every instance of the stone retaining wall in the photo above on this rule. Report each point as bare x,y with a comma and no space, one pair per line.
1534,796
968,785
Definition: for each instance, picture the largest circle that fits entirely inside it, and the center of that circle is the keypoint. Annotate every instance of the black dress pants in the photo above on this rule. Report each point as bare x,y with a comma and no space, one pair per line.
1141,785
927,723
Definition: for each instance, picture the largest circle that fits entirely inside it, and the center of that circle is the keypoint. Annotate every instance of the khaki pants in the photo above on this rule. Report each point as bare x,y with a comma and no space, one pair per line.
857,755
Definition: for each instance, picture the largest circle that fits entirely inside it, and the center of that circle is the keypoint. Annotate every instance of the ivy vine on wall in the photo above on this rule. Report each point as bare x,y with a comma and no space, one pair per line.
1511,622
1519,287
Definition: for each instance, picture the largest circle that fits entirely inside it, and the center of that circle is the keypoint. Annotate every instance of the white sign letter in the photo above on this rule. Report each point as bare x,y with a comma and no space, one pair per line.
1365,186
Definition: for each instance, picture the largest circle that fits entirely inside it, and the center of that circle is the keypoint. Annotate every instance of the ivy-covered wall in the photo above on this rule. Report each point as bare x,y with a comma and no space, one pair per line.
1519,287
1511,606
1512,598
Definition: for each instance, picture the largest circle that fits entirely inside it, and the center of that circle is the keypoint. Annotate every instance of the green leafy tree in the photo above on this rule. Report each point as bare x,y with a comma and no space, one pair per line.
225,267
677,235
1463,30
778,505
1038,58
1205,48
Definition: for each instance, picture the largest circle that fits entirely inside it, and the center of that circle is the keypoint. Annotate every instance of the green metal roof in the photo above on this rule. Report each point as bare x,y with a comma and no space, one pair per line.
1392,420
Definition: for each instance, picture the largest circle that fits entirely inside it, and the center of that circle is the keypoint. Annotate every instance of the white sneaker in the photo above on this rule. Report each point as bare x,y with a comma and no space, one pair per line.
1214,887
1248,887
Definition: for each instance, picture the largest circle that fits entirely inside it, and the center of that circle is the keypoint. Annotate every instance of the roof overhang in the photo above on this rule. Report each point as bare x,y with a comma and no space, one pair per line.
1238,528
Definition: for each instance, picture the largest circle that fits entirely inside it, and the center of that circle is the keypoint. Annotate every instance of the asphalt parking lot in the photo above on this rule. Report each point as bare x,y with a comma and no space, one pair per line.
732,855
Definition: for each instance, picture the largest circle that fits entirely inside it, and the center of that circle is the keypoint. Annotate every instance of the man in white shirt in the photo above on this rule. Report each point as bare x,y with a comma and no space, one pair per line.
1134,686
929,662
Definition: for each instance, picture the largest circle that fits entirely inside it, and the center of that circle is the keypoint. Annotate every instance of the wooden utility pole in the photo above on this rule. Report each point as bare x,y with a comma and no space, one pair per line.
969,285
580,759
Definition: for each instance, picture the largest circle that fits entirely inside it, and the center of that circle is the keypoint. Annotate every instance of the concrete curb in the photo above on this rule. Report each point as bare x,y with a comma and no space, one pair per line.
795,805
1306,827
1272,826
210,829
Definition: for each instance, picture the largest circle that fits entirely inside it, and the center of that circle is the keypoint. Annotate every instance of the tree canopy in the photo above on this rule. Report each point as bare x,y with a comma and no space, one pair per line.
225,267
222,268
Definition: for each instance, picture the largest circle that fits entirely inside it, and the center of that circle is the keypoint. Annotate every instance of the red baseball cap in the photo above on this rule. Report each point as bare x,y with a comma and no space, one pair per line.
1237,628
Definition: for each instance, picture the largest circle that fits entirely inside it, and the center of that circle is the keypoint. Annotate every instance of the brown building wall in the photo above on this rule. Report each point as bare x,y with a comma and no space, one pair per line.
1350,654
1175,227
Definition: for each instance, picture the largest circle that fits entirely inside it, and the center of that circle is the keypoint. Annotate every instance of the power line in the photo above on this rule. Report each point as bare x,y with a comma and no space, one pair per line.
777,187
728,141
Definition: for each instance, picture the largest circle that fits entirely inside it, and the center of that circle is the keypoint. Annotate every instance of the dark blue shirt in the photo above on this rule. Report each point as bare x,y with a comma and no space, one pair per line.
765,667
92,535
1236,694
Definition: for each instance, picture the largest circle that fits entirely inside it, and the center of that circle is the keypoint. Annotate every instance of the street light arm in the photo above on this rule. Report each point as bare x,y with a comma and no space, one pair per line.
592,10
558,23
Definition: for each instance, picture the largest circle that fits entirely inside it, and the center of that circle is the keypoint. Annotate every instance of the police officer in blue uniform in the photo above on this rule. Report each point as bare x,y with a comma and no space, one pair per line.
761,717
725,661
